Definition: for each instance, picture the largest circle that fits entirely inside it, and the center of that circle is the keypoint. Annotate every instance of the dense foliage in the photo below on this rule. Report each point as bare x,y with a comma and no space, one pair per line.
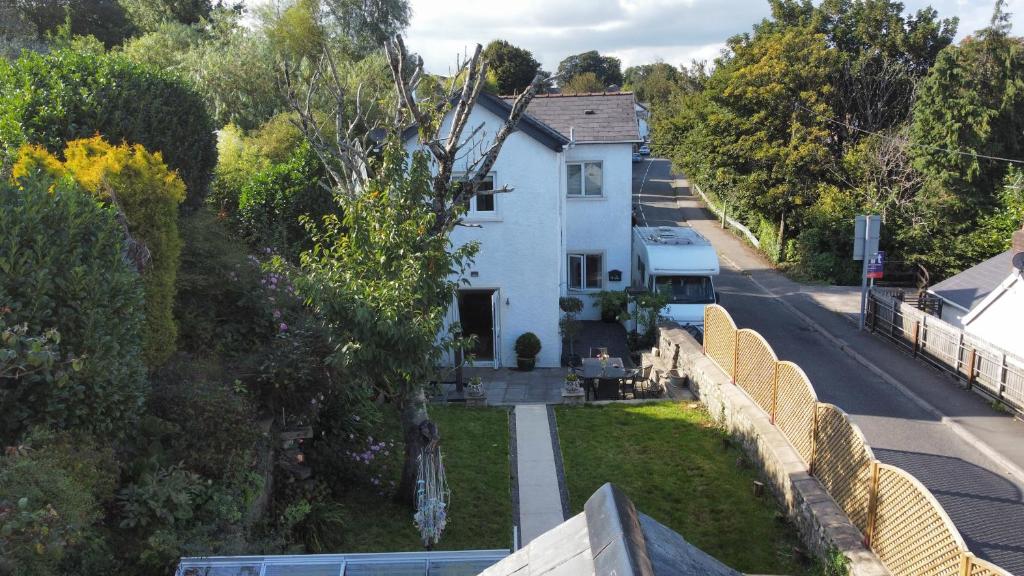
54,98
138,183
62,267
852,106
511,67
608,69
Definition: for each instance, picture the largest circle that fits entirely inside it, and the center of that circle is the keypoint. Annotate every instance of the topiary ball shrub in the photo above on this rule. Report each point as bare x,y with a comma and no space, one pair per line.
527,348
62,266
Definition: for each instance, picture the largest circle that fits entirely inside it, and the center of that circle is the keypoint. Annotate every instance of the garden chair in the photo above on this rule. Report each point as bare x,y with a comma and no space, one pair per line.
629,384
607,389
596,352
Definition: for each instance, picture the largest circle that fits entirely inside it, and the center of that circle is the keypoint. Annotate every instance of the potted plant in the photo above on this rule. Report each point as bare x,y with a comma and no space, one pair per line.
527,348
613,305
573,392
569,325
475,392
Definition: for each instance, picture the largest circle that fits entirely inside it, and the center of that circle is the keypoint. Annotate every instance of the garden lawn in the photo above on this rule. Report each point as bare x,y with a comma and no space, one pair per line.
474,443
669,458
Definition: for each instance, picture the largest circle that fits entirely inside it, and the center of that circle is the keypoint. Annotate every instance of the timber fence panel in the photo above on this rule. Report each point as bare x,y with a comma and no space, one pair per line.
911,533
842,463
720,338
979,567
755,369
795,407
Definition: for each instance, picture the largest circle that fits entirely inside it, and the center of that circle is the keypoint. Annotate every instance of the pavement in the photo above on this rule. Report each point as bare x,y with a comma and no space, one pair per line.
970,456
540,500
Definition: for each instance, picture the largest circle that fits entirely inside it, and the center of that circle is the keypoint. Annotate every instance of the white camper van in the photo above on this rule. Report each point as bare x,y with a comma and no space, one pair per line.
681,262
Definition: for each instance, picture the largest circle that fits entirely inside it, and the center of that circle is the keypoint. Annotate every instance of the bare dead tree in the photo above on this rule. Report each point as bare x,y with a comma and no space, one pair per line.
448,142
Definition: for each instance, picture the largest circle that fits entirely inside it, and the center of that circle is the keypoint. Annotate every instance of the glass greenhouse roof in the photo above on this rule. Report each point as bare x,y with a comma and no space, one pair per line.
458,563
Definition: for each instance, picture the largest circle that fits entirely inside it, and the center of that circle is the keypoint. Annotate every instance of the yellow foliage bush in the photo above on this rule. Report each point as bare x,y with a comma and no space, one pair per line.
149,194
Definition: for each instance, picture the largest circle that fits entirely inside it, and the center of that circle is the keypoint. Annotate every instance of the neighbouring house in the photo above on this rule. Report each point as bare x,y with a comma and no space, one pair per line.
987,300
643,119
563,229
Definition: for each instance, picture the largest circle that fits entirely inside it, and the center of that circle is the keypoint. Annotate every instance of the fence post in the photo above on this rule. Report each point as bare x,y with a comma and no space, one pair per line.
917,335
1004,375
965,563
873,311
775,391
814,441
971,359
735,354
872,504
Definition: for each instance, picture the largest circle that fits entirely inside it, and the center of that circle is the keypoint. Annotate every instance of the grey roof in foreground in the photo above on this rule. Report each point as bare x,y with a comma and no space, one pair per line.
968,288
611,117
456,563
609,538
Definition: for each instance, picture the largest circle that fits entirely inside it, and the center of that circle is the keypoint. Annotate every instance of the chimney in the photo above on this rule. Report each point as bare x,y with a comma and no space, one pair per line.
1017,251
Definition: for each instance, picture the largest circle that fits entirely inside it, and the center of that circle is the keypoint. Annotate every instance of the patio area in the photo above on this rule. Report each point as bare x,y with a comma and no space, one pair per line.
507,386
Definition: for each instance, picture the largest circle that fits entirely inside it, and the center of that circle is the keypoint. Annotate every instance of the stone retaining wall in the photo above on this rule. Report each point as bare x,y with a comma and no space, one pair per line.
821,523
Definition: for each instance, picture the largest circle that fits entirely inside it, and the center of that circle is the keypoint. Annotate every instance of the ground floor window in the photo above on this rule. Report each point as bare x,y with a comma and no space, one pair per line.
585,271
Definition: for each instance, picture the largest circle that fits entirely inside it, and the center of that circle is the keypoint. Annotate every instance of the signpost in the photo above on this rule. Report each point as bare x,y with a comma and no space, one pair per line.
876,266
866,232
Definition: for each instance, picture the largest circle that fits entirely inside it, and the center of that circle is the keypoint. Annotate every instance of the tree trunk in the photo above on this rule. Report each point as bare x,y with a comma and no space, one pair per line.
417,432
781,249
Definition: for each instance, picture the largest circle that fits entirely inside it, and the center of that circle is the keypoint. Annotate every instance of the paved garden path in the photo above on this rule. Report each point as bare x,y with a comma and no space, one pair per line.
540,500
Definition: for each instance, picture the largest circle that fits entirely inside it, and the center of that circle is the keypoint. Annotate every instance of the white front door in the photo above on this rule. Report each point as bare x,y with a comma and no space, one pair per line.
496,332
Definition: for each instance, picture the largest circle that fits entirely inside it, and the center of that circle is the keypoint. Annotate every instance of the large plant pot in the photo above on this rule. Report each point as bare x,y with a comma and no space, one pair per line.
526,364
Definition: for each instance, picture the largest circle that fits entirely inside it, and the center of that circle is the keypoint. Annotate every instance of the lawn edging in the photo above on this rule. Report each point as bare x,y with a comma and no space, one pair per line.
822,525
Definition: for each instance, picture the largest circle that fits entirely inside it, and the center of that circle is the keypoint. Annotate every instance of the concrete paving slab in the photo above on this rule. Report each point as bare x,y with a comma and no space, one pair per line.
540,503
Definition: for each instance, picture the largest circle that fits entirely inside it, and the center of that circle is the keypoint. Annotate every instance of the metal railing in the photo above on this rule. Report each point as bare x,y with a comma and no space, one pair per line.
981,366
899,518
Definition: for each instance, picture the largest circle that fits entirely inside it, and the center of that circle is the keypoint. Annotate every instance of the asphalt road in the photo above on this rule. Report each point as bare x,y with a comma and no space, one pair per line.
982,499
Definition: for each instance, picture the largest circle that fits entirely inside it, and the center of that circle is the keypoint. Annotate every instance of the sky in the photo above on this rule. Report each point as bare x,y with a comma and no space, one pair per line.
635,31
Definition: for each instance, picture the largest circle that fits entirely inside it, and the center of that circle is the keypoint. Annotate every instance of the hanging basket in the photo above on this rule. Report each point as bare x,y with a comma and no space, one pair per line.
432,495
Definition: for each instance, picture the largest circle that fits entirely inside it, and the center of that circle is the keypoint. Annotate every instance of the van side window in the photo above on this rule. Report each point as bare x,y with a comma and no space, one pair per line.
642,271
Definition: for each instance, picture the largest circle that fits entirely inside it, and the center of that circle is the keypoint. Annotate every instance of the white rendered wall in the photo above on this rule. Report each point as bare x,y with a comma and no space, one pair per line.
520,248
1000,323
602,224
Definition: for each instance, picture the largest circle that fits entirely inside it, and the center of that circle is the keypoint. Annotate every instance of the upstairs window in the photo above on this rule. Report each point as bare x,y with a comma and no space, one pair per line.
584,179
480,204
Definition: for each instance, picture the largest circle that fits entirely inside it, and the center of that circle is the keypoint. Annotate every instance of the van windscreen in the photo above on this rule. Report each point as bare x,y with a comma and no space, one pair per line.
686,289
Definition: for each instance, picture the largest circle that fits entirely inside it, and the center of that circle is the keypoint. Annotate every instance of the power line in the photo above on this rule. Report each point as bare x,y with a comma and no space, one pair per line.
909,143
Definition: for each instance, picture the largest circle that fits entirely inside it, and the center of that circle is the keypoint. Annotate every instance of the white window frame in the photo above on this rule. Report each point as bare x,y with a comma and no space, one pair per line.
582,255
583,179
473,213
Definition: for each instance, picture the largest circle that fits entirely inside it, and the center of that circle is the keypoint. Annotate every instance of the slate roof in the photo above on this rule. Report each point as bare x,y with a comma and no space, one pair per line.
609,538
612,117
968,288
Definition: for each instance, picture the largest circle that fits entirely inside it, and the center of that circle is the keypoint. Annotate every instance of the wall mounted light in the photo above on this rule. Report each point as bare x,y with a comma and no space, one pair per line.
506,302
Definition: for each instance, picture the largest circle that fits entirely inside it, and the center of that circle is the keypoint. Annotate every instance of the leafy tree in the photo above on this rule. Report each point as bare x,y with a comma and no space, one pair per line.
54,98
653,83
139,184
104,19
584,83
148,15
62,267
970,103
368,24
273,203
608,69
513,67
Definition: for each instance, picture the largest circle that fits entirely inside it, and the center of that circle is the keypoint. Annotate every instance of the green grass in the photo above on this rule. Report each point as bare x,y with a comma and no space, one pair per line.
474,443
670,460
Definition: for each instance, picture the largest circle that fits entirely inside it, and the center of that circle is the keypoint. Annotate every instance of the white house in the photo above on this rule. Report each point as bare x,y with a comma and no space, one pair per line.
987,300
643,119
564,229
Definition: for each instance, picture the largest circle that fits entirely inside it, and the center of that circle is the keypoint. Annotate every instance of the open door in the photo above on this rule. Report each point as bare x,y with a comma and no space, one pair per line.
496,319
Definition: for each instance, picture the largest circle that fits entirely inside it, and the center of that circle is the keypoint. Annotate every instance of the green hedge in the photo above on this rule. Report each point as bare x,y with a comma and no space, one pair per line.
53,98
61,266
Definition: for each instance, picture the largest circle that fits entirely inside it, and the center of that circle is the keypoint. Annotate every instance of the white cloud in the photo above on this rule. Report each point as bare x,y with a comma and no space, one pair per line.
637,31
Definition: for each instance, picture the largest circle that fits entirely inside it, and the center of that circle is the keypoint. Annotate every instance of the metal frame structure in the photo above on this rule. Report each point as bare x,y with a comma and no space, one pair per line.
432,563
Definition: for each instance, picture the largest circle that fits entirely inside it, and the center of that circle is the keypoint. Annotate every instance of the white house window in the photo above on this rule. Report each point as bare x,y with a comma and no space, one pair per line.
584,179
585,271
481,204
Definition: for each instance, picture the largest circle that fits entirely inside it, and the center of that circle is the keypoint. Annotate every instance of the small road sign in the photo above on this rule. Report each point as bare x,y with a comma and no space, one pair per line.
876,266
